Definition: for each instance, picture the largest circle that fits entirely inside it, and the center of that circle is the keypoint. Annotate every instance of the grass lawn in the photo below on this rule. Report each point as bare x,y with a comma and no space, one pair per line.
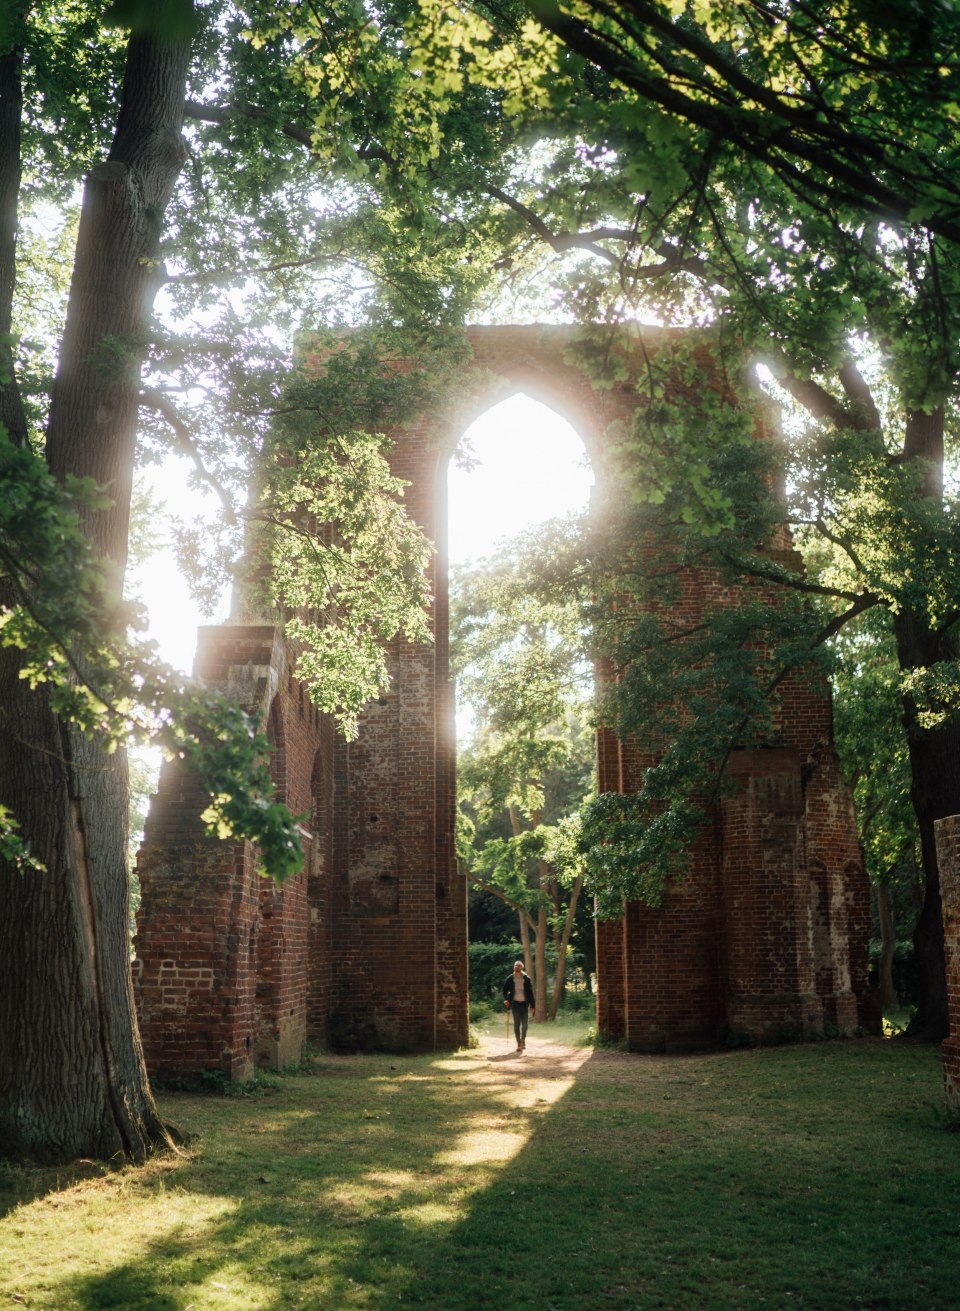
821,1176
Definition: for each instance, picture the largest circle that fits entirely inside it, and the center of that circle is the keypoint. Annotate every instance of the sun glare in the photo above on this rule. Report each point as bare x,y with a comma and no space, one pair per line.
531,466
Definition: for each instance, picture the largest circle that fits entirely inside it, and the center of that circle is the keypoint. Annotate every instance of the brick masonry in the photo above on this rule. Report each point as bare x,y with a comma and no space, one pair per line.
367,946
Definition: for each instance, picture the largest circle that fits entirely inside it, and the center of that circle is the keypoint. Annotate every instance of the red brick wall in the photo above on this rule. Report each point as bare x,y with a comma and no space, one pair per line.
320,886
222,954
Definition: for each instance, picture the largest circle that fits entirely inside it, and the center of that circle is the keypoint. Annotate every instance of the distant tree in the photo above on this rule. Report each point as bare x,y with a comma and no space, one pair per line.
872,744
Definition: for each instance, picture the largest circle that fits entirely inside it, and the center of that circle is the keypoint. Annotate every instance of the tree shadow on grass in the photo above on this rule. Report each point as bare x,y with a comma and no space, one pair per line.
22,1184
741,1180
333,1185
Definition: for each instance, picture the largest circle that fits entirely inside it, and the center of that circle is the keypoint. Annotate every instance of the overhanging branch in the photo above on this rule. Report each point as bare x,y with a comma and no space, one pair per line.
152,398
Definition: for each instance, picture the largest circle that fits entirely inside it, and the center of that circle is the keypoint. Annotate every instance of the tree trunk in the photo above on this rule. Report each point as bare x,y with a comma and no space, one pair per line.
11,107
935,789
934,752
525,942
540,966
888,942
72,1077
562,946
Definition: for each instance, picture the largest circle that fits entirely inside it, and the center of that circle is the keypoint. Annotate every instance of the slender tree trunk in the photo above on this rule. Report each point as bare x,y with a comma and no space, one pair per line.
888,942
72,1077
525,942
540,966
934,752
563,945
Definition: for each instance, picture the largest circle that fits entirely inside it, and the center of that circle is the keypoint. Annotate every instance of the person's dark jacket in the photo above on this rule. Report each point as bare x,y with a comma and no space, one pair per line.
527,988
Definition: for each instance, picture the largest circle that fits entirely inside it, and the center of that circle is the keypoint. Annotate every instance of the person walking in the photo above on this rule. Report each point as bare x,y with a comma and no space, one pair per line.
518,998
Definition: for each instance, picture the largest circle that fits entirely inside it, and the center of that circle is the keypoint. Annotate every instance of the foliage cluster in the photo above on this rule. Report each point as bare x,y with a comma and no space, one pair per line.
491,963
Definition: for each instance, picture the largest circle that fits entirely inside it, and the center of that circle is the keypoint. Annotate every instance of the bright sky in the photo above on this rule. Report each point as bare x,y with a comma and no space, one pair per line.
531,468
174,615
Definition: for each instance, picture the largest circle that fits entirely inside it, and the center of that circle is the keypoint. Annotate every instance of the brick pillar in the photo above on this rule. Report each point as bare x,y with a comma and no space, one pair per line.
319,887
674,997
199,919
195,971
282,970
385,982
839,897
948,858
771,981
611,1001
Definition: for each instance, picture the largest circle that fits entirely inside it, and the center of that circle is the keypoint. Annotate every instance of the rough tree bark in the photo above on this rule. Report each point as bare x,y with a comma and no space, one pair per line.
11,106
934,752
72,1077
888,943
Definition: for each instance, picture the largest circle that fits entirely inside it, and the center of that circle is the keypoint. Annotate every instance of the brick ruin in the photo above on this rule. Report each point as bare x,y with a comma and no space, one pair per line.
367,946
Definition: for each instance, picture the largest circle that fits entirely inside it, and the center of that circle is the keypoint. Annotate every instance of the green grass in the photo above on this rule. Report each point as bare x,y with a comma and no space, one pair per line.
820,1177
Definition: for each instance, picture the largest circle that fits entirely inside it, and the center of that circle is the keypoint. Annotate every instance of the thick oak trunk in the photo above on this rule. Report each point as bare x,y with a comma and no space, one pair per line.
11,105
934,751
72,1078
935,791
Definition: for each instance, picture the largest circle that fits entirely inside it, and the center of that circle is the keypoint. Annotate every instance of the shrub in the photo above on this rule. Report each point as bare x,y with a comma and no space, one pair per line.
490,964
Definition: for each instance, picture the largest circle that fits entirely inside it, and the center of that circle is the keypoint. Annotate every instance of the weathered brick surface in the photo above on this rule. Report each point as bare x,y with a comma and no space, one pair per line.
367,947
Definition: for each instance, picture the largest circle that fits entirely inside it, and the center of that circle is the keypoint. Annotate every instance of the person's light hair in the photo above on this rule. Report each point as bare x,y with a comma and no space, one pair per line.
517,963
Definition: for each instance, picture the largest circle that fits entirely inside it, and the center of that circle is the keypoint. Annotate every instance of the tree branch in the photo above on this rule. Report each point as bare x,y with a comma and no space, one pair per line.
859,393
801,135
222,114
559,242
796,582
822,404
212,278
499,893
152,398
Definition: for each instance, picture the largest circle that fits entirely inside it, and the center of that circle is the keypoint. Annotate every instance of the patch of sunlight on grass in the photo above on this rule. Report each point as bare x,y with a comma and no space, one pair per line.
228,1289
392,1179
427,1214
484,1148
455,1063
64,1228
351,1199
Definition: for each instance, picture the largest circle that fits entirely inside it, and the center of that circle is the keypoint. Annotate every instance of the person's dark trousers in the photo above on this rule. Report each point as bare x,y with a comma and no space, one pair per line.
521,1010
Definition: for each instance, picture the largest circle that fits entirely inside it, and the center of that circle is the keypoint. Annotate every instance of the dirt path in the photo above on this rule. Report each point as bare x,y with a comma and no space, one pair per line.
544,1058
